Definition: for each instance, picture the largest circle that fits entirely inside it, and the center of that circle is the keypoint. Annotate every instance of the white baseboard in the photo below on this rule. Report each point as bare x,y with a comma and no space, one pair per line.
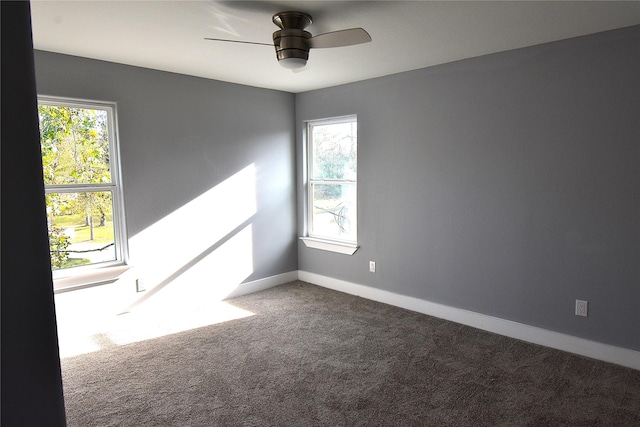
262,284
532,334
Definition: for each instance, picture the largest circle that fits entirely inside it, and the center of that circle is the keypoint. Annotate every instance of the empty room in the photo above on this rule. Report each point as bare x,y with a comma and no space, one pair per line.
221,213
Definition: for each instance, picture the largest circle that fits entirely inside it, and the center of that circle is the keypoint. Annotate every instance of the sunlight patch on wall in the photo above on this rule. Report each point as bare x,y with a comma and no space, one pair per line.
171,245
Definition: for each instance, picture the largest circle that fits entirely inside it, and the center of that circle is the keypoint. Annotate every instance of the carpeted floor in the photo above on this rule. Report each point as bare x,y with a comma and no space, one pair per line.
315,357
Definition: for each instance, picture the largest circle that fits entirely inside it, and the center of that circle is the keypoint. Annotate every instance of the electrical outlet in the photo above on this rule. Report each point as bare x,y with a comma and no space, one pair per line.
140,285
581,308
372,266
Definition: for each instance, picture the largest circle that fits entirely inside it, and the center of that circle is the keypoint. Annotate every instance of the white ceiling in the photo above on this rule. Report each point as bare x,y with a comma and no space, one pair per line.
407,35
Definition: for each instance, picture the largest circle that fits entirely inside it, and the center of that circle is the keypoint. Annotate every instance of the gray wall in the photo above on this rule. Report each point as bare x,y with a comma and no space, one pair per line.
505,184
181,137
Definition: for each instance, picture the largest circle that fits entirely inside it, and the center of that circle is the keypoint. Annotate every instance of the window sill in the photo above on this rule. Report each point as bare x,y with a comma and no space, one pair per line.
328,245
89,277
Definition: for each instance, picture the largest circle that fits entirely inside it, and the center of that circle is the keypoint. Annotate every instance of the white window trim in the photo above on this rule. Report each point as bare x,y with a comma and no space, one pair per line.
83,275
89,277
345,247
331,246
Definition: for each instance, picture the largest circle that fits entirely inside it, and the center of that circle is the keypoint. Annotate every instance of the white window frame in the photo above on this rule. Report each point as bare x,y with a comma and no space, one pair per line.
88,274
343,246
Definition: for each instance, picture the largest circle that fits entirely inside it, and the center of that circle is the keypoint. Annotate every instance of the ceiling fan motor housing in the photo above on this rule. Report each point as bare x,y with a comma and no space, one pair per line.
291,44
292,48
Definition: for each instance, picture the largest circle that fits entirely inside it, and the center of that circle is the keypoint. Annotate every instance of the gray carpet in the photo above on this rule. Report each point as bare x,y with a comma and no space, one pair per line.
315,357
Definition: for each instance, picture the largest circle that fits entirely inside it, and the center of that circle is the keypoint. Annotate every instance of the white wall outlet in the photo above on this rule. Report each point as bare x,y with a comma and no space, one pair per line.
140,285
582,308
372,266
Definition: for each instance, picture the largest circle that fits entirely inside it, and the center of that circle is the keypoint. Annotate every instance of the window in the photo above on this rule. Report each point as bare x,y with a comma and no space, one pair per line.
82,183
332,187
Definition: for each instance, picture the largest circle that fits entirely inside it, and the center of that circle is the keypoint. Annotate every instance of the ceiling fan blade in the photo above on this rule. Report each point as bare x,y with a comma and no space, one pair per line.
239,41
340,38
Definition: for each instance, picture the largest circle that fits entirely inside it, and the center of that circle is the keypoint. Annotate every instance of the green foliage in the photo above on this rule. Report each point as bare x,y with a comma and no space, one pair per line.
75,145
58,244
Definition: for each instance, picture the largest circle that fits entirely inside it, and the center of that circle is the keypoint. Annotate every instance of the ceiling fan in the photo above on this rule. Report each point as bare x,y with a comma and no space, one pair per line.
292,42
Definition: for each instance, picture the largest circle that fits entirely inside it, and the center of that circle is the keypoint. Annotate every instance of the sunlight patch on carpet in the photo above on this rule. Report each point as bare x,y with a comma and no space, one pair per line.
101,332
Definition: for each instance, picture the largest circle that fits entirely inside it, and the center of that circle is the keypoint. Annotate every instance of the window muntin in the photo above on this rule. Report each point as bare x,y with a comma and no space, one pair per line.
332,171
85,217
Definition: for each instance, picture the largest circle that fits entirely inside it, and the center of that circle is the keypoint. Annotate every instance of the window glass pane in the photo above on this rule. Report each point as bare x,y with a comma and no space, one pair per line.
334,212
80,228
75,145
335,151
